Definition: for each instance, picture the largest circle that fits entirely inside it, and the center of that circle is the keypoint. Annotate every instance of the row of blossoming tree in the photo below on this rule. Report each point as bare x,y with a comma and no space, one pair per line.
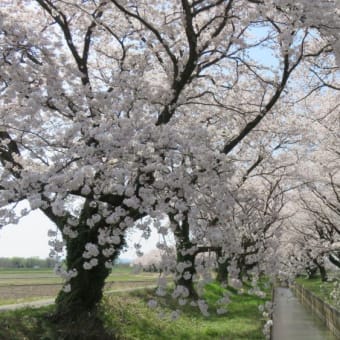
189,113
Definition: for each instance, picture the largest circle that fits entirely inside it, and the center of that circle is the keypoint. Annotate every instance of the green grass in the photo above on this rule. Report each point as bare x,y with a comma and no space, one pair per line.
128,316
25,324
23,270
132,319
319,288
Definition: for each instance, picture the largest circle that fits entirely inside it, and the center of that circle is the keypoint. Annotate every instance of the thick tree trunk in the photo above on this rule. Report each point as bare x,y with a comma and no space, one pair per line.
87,287
241,264
322,270
186,278
76,314
323,273
222,267
185,257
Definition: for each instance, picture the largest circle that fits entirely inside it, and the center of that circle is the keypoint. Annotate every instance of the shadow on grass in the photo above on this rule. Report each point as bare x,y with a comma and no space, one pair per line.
26,323
38,324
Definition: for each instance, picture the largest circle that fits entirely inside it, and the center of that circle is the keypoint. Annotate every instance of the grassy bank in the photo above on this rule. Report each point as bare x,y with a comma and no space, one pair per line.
128,317
319,288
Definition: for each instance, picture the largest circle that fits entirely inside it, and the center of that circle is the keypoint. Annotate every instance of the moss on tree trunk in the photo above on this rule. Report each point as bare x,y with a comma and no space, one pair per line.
76,314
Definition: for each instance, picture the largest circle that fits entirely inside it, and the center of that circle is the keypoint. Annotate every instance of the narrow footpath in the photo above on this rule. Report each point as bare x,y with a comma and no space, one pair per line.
292,321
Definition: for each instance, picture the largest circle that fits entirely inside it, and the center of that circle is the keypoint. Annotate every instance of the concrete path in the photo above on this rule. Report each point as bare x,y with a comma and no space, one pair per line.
292,321
31,304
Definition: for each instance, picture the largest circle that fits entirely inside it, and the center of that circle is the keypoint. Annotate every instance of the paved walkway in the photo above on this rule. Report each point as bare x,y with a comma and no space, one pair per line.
292,321
31,304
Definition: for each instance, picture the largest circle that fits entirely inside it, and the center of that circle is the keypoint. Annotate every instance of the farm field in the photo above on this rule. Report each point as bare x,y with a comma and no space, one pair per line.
24,285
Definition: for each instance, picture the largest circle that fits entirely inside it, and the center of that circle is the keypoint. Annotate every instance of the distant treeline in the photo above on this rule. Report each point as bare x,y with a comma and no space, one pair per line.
30,262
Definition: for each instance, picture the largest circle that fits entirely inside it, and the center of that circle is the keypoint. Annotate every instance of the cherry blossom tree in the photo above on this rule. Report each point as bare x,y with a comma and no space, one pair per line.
113,111
319,200
311,235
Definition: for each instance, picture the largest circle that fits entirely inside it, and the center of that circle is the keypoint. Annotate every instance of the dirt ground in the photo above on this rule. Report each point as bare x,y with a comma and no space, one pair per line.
13,292
26,291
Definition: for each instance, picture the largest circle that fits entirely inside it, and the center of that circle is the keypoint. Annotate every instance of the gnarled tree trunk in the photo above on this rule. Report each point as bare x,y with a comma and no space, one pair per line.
322,270
76,309
222,267
185,256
